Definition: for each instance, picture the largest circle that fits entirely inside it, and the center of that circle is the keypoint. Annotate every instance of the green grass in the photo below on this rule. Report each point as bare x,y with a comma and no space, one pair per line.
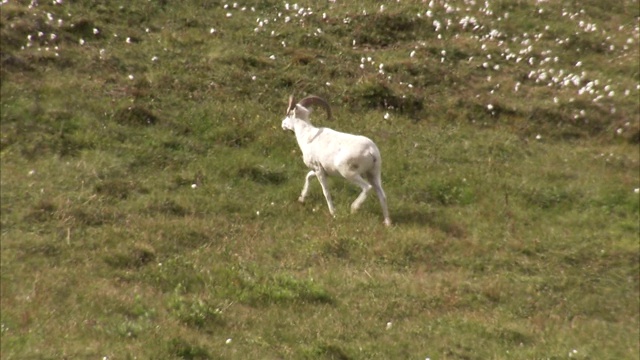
148,193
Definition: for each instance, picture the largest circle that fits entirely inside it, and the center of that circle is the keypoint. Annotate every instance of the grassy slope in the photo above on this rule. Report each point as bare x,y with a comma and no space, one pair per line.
516,219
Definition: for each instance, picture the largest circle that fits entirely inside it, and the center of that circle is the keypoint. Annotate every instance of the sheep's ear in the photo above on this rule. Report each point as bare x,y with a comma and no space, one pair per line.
291,102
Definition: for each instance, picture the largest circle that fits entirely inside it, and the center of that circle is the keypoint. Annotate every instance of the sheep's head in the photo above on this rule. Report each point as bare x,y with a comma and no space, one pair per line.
301,111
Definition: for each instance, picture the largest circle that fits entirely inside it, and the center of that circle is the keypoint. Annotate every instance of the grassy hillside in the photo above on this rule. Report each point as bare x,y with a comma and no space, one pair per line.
148,192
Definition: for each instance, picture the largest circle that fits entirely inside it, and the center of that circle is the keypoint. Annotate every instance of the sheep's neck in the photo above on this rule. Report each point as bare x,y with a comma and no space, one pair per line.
305,133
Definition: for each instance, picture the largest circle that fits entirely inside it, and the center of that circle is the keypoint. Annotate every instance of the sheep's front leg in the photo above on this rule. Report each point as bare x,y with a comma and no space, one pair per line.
322,178
305,188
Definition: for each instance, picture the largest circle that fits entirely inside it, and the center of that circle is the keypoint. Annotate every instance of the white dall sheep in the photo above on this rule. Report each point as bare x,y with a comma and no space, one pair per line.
329,152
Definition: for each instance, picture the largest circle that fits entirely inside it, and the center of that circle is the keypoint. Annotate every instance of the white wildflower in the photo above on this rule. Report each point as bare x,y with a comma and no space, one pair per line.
437,25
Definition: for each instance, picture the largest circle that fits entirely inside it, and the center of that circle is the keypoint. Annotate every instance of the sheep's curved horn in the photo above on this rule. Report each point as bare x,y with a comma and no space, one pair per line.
316,100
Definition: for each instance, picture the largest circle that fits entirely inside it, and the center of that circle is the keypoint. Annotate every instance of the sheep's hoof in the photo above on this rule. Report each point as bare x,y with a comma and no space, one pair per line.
387,222
301,200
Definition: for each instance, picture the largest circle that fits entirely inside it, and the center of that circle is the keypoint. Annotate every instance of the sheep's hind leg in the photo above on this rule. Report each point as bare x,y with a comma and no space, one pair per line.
366,187
305,188
377,185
